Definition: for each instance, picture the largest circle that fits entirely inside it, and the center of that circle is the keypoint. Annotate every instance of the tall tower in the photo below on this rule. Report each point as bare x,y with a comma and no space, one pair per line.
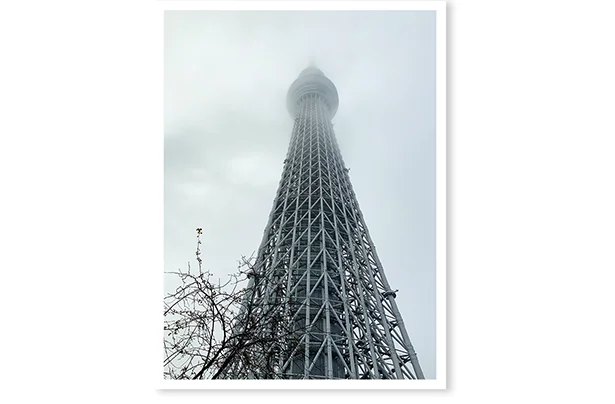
317,253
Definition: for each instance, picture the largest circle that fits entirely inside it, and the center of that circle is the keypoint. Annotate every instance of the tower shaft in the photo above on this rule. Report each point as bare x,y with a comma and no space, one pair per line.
318,264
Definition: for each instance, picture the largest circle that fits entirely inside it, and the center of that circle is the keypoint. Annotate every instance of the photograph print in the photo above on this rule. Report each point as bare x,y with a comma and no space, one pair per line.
301,150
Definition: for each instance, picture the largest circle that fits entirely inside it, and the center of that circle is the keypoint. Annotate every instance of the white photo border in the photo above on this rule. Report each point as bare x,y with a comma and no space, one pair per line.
439,383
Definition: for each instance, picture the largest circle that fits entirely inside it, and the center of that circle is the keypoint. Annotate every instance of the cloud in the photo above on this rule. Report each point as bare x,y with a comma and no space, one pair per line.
227,132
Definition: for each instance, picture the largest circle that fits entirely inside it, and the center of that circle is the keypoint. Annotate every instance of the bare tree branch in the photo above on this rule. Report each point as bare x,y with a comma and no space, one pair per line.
240,328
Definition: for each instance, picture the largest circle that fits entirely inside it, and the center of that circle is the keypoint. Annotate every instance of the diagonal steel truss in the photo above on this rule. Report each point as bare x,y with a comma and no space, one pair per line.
317,253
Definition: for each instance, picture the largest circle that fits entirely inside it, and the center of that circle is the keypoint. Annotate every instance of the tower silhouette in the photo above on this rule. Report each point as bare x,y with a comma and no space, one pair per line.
317,261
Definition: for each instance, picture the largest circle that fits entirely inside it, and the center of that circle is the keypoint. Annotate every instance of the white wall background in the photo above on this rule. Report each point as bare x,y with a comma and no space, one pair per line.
530,219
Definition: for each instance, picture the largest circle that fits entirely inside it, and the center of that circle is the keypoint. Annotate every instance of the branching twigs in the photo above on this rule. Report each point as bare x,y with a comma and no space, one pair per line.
243,327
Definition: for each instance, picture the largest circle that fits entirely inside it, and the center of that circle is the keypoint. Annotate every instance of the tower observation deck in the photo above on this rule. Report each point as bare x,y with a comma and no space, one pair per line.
317,261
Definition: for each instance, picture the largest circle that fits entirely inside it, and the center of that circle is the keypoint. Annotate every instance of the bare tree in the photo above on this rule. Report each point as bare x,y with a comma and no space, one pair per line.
239,329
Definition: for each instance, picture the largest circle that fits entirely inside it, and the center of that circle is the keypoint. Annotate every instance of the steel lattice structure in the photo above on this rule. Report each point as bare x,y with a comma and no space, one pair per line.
317,252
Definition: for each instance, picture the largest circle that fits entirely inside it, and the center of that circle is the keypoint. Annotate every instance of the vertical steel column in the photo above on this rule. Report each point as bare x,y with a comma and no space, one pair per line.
343,310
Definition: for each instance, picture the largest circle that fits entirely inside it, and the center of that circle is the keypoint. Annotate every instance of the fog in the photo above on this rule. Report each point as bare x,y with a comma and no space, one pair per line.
227,131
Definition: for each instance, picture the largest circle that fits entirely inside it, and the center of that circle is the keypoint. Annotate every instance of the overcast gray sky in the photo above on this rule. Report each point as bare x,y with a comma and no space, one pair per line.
227,131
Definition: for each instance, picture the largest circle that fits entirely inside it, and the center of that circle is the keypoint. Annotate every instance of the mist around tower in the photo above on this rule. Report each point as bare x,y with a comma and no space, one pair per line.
299,196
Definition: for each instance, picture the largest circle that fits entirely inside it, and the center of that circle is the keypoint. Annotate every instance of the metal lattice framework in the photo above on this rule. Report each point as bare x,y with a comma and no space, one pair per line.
317,253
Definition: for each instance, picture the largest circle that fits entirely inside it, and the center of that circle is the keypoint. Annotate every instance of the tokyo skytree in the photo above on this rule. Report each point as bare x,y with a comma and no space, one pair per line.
318,263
